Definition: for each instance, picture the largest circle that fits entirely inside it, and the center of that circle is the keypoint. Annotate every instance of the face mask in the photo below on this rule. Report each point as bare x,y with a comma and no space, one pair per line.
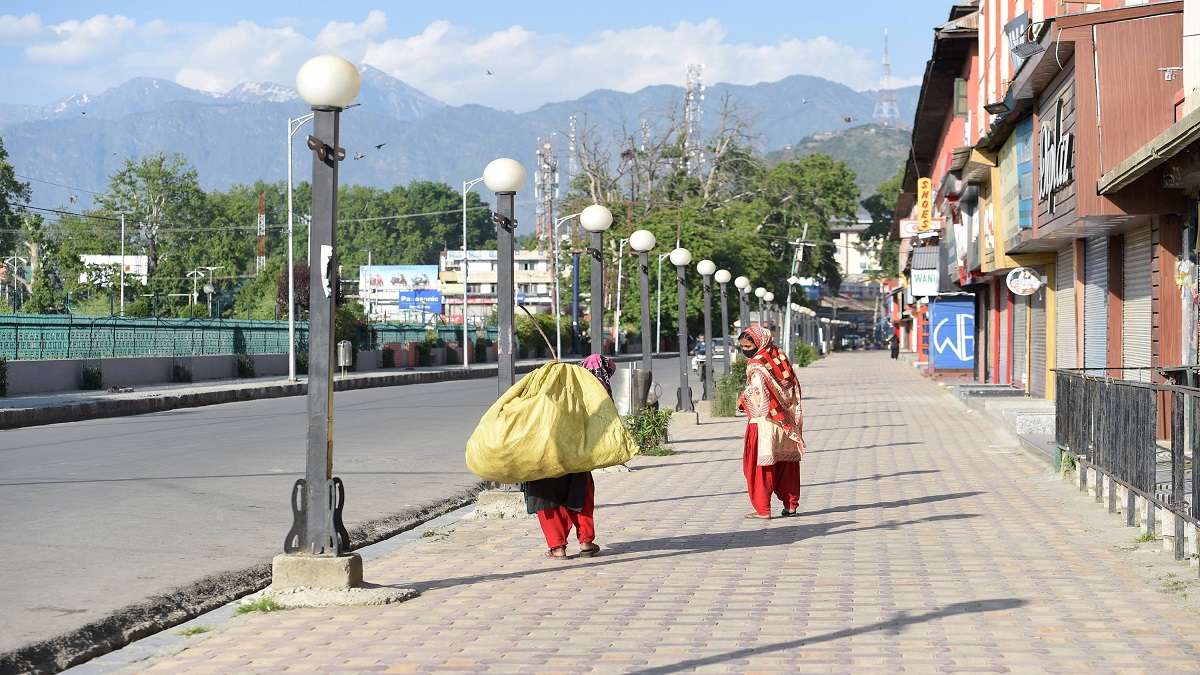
749,352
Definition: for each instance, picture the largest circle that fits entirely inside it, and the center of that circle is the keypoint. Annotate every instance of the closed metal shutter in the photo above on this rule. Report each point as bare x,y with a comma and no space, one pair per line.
1135,310
1020,363
986,343
1064,311
1095,304
1005,374
1037,343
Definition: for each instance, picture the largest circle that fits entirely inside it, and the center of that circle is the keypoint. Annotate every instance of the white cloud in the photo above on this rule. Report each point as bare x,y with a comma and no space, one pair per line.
447,61
19,29
337,34
529,69
81,41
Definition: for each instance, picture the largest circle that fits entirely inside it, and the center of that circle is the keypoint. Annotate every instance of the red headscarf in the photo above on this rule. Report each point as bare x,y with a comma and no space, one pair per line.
782,387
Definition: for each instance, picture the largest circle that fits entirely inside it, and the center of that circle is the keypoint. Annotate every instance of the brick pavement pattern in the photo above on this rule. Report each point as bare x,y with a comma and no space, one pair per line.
926,543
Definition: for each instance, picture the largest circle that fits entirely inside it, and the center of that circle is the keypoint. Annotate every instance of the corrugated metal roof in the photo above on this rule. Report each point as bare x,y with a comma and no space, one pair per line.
925,258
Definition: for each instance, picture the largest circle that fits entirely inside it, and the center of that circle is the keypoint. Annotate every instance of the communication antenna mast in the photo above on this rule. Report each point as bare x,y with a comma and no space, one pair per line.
693,148
545,189
887,113
572,154
260,261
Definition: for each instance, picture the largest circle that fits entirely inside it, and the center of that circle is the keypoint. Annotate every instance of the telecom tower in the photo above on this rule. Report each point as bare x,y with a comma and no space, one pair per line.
260,261
545,189
572,154
887,113
693,147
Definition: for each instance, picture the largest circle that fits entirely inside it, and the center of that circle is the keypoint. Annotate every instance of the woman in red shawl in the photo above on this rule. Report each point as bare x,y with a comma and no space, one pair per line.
774,434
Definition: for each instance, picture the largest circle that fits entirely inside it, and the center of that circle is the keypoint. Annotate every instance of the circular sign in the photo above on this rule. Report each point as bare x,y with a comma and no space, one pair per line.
1024,281
520,298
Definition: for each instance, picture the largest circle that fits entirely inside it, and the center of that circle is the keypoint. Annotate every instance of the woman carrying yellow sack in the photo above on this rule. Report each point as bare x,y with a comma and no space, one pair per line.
569,501
774,434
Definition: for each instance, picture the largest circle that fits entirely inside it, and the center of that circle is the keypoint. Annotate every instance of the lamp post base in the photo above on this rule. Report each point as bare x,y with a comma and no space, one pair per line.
501,505
299,580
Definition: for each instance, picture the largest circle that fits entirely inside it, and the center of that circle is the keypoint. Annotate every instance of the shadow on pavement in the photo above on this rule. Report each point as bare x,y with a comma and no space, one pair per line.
894,504
699,461
892,626
671,499
878,476
671,547
865,447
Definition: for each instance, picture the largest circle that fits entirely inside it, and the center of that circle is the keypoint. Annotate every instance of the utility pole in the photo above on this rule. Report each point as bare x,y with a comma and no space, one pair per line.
122,264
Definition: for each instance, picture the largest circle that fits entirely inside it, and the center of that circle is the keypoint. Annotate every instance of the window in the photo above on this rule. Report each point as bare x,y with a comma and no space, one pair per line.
960,97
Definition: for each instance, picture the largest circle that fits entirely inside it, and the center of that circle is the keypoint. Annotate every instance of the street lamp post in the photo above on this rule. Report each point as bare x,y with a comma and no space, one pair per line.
466,346
743,286
759,293
504,177
643,241
328,84
768,299
294,125
658,301
681,258
596,219
787,317
616,330
707,268
723,277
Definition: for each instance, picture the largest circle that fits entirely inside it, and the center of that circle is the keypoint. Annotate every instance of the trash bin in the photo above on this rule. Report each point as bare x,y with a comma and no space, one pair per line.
345,355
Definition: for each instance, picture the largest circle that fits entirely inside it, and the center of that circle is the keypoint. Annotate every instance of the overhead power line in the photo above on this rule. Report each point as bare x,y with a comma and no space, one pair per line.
61,185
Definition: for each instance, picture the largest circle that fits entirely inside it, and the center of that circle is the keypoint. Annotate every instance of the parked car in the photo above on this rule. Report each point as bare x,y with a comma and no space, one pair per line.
699,355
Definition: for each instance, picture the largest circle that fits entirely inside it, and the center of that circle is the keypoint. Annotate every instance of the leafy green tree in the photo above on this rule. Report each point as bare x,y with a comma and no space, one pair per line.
13,193
882,207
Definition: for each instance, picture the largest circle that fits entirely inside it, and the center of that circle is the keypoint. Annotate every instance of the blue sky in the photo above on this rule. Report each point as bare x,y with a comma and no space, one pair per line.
537,52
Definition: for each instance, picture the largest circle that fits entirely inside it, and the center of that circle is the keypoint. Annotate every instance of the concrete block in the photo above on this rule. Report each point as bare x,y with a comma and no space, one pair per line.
501,504
291,570
368,360
685,419
36,377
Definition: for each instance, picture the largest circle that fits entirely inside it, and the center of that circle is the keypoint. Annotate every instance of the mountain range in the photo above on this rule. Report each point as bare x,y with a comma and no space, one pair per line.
238,136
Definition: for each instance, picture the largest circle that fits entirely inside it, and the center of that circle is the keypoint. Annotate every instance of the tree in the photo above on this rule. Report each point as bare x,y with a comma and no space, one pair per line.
166,211
882,207
13,194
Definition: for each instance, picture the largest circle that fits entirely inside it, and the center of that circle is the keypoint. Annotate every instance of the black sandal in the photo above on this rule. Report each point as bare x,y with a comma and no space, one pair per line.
589,551
557,553
789,514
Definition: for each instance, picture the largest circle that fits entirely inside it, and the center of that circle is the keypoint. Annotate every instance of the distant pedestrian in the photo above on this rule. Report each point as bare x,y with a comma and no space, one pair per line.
569,501
895,347
774,442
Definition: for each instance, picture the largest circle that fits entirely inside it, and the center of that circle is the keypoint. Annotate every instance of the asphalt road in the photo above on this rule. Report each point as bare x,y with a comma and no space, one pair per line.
103,513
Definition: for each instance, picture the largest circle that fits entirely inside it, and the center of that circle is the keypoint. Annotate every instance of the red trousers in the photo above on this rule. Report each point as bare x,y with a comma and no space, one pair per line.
557,522
781,479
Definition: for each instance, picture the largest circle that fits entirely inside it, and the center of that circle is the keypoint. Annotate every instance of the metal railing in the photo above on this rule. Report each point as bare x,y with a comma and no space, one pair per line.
34,337
1112,425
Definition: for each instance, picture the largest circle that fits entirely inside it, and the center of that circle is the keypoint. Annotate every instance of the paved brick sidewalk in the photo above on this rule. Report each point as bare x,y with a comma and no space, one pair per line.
926,544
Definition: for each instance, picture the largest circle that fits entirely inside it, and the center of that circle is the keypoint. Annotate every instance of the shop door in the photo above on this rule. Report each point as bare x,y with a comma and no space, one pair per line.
1135,309
1095,305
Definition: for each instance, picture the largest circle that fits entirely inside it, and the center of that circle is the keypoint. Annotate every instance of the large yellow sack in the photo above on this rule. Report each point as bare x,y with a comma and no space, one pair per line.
557,420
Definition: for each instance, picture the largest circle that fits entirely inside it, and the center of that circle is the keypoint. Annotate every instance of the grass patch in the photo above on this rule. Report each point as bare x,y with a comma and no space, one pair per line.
658,451
194,630
648,428
728,389
263,604
1146,538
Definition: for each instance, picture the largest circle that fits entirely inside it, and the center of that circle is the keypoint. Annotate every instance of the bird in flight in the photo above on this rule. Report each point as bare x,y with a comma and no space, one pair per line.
380,146
847,119
489,71
359,155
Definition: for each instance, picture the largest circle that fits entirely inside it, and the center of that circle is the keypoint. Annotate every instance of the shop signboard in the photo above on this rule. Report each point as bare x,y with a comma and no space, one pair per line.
1023,281
952,334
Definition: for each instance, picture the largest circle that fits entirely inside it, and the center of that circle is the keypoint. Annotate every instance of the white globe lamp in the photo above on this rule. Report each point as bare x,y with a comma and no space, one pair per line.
328,82
681,257
769,297
642,241
723,276
760,292
504,175
706,268
596,218
742,283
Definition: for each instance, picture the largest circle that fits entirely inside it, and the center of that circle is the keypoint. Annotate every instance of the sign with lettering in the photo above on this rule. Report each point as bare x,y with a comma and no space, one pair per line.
911,227
1023,281
1057,157
952,334
924,204
1016,33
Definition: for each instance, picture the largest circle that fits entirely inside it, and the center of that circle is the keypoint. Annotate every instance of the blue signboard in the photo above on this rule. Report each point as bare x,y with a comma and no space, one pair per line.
952,334
1024,150
423,299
